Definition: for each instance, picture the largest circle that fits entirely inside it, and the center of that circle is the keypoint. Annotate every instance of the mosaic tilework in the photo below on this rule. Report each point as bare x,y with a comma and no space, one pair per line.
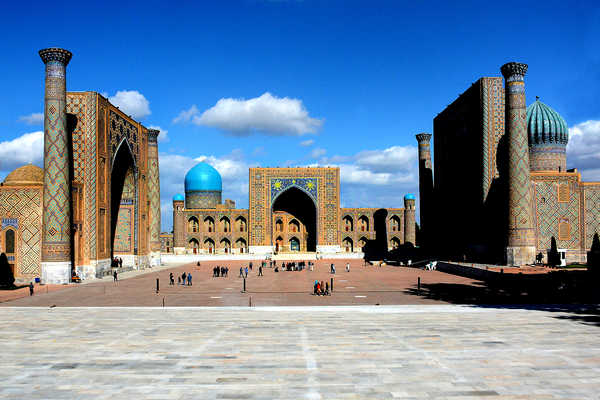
154,190
124,230
91,173
307,185
492,95
520,226
550,213
119,129
25,206
592,213
56,244
76,106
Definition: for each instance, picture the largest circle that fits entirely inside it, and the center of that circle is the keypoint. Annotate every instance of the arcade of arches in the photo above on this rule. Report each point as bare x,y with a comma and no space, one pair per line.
291,210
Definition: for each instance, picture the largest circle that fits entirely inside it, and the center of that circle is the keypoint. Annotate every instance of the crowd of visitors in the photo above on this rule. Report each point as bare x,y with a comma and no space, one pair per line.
117,262
220,272
321,289
184,279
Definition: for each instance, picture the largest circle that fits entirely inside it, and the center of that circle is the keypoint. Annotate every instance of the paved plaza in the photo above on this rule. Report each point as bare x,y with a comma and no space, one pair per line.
362,352
363,285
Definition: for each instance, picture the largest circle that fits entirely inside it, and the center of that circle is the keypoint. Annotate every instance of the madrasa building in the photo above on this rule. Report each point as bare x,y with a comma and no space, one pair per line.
96,198
291,211
499,189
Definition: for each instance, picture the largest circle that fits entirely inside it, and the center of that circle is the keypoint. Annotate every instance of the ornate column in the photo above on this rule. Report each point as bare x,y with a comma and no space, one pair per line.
410,236
56,226
521,235
425,185
154,195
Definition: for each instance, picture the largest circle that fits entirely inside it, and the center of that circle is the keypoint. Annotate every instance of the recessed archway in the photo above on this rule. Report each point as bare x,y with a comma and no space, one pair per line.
301,207
123,197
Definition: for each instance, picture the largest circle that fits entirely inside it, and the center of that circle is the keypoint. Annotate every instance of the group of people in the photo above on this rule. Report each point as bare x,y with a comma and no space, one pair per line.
332,268
220,271
185,279
321,289
117,262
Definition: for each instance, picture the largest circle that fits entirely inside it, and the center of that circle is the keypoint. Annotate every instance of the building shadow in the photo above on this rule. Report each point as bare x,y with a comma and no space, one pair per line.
572,293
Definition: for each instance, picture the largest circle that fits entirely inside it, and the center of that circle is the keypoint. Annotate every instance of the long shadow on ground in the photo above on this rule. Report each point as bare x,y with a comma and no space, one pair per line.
575,293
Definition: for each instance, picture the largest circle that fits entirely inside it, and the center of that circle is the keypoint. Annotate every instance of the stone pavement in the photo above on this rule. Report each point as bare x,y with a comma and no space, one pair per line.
361,352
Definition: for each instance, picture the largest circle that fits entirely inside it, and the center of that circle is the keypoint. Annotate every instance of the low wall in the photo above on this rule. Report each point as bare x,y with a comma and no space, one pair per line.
467,272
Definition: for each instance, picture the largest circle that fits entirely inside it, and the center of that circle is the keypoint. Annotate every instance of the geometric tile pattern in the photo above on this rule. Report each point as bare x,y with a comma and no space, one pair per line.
592,213
154,190
57,193
124,230
520,225
90,176
550,213
492,93
25,205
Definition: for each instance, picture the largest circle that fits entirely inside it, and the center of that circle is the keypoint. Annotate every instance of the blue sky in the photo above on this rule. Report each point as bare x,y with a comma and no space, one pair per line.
358,78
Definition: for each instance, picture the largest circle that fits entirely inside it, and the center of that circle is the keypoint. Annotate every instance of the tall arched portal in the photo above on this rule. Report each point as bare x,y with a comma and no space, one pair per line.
123,198
300,207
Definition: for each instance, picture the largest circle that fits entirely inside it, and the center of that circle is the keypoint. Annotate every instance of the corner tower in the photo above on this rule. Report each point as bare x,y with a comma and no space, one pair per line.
425,183
410,236
56,225
521,235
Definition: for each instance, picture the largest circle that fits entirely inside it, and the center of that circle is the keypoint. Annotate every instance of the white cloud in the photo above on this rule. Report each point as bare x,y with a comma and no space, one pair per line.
307,143
28,148
317,152
131,102
232,167
163,135
583,150
33,119
187,115
265,114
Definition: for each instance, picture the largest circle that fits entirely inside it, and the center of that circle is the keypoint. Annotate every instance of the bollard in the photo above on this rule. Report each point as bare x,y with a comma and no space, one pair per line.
157,285
250,301
163,302
419,285
244,285
331,285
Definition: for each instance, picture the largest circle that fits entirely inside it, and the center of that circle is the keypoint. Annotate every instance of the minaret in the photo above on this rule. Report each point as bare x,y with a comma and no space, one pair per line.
178,225
56,239
154,195
521,236
425,184
410,236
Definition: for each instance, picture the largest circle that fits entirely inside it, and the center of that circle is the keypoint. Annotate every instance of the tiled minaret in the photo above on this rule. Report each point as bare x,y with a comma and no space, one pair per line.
425,183
56,239
178,225
521,236
154,195
410,236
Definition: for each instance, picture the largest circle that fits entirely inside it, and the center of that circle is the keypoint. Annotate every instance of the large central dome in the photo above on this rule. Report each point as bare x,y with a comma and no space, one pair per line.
203,177
548,136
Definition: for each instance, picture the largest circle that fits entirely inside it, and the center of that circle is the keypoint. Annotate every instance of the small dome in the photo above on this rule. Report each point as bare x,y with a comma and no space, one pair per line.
203,177
545,126
27,175
409,196
178,197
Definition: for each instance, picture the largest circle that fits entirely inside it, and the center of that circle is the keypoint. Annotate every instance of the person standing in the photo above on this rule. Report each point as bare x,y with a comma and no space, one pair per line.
115,277
241,273
189,278
260,271
171,279
183,277
30,288
247,270
120,262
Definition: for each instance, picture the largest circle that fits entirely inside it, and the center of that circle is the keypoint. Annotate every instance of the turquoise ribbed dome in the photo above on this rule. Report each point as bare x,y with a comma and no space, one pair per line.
409,196
178,197
203,177
545,126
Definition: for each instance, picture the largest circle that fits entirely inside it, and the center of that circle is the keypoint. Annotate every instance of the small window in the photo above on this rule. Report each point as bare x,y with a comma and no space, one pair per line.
10,241
564,230
563,193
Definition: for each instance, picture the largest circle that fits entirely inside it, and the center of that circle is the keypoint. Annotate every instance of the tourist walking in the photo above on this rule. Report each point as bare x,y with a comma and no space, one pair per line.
171,279
115,277
31,288
183,277
241,272
247,270
189,279
260,271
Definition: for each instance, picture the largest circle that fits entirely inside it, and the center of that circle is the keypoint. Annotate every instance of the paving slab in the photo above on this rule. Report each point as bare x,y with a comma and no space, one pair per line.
352,352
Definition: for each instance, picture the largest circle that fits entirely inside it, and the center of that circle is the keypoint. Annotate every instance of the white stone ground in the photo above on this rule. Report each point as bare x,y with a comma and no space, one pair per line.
407,352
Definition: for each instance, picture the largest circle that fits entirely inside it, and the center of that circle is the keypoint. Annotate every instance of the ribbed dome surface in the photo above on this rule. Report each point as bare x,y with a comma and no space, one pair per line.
26,175
203,177
545,126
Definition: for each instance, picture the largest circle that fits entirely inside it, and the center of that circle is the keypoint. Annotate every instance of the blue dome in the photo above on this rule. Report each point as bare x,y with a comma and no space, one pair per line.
178,197
203,177
545,126
409,196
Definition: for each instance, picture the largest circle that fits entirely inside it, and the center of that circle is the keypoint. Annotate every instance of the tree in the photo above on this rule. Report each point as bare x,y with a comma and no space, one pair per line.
553,256
7,279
